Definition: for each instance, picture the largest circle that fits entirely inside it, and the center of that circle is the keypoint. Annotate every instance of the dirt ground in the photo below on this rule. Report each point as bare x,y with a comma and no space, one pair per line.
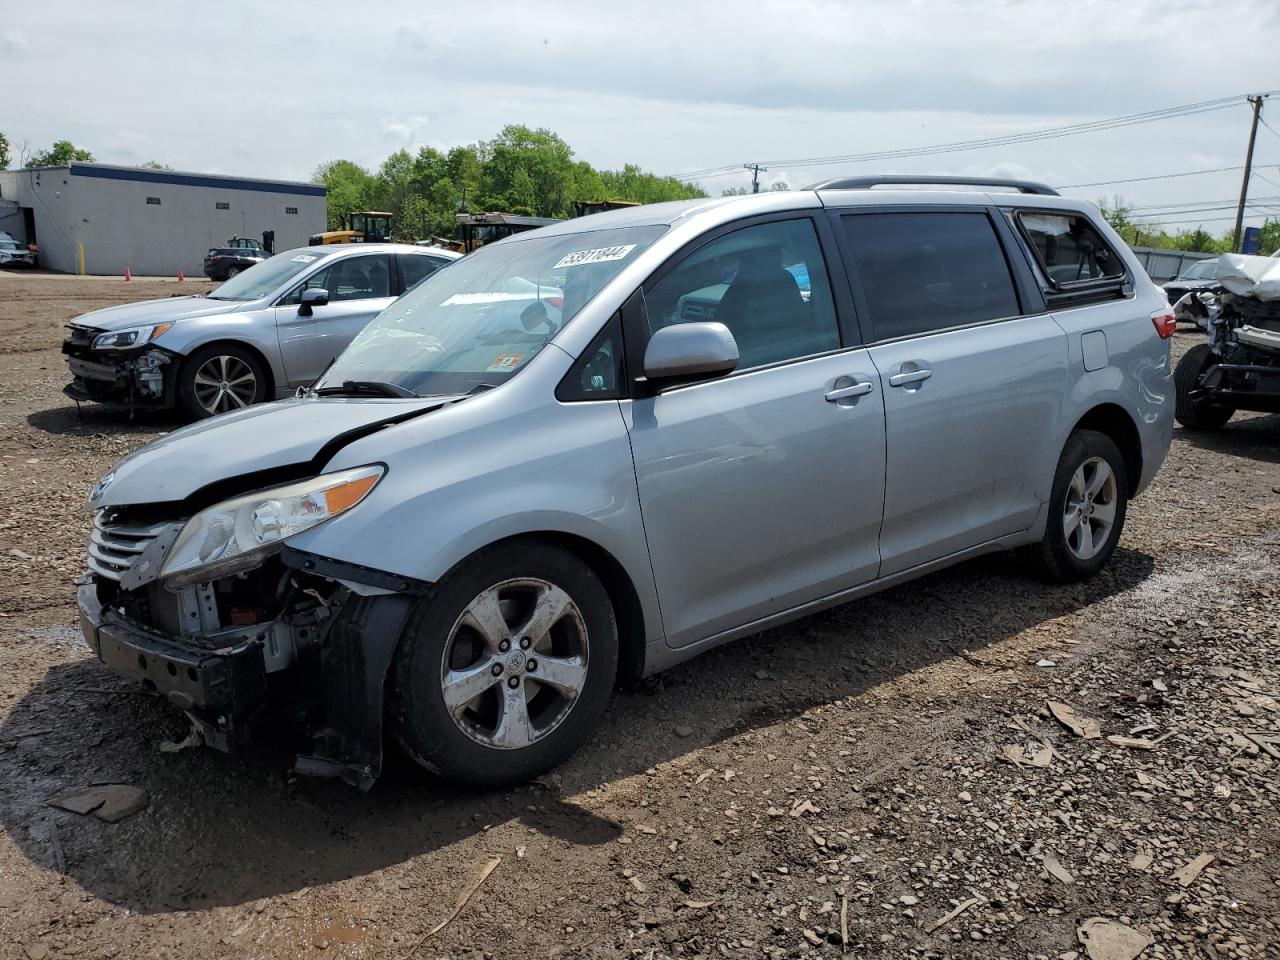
839,786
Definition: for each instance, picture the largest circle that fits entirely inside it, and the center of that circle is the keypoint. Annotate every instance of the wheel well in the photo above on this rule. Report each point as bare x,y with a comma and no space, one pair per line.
248,348
1112,420
622,593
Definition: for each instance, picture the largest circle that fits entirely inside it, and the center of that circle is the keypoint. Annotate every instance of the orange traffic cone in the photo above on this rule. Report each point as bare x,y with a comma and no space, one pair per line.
127,275
180,276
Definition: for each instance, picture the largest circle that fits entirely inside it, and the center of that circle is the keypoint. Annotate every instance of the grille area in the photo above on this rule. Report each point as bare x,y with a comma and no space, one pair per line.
115,547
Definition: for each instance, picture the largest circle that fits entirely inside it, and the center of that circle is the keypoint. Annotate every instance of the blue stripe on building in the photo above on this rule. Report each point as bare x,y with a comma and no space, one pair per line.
195,180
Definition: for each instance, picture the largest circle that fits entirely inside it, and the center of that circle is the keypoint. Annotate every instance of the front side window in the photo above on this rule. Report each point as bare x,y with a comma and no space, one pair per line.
923,272
352,278
1069,249
478,323
768,284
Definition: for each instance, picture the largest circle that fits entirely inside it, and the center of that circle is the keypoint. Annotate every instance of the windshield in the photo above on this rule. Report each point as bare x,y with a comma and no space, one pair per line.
1201,270
262,278
477,323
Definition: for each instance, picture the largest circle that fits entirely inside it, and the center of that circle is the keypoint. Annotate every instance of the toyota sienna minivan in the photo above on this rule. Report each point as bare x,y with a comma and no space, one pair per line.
600,448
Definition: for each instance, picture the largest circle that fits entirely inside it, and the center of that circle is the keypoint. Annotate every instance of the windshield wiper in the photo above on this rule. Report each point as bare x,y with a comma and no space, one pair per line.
376,388
481,388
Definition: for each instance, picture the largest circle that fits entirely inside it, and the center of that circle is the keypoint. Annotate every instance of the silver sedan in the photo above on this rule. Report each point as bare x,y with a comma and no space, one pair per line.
257,337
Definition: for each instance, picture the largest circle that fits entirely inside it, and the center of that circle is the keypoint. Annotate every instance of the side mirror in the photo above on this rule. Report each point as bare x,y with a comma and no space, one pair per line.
315,297
688,350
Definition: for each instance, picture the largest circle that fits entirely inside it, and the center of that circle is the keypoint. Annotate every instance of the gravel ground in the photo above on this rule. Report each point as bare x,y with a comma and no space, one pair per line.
839,786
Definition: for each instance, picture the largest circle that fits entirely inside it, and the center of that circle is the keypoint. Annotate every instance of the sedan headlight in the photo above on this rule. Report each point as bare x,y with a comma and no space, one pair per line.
133,337
236,534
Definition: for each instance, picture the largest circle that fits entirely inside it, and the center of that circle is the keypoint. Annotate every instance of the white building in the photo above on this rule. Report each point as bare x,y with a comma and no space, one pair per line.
155,222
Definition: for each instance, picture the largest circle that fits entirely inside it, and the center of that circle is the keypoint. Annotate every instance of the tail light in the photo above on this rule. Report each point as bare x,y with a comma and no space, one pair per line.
1165,323
557,302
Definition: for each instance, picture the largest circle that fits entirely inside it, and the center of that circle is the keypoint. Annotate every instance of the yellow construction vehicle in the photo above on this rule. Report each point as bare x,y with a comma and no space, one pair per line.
365,226
477,229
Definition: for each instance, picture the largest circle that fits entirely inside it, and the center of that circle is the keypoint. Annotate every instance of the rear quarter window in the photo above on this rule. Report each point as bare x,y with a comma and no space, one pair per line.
1070,254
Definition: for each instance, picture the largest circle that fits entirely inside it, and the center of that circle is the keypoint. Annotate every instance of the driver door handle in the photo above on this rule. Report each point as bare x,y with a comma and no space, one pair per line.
909,377
858,389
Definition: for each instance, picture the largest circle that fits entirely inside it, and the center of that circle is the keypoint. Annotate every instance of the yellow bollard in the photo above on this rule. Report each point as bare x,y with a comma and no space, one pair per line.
82,259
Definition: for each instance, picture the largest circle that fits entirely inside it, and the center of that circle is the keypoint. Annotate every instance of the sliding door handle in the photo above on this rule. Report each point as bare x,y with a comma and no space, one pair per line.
908,377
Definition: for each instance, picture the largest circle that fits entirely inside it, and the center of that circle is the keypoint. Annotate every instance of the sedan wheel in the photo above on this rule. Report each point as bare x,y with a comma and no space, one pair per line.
224,383
515,663
232,272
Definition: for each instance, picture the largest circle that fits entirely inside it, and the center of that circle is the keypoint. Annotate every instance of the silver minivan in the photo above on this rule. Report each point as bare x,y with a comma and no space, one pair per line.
597,449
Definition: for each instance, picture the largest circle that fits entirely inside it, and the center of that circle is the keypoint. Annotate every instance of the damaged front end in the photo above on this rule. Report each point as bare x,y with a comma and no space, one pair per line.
119,368
215,612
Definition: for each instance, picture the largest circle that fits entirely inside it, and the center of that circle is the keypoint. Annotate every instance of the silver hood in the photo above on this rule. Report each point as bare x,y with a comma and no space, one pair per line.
157,311
272,442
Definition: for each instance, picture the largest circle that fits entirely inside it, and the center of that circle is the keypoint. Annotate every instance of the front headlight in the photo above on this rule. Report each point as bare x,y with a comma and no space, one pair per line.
133,337
236,534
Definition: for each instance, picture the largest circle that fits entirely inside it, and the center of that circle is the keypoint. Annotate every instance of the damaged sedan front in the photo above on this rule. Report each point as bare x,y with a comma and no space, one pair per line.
120,367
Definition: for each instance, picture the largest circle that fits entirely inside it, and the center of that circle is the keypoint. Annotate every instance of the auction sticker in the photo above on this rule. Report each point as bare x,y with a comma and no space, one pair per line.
598,255
504,363
301,258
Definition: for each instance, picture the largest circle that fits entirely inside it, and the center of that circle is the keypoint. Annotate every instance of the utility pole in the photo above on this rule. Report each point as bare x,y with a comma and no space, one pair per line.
755,169
1248,170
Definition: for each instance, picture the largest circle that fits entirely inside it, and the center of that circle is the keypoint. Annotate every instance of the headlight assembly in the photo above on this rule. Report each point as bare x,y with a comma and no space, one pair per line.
126,339
236,534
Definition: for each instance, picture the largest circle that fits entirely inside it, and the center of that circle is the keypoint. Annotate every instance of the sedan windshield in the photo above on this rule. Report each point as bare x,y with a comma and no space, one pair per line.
262,278
477,323
1201,270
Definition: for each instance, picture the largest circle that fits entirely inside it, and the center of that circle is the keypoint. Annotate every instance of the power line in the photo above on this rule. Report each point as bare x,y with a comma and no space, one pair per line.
1150,116
1161,176
1262,120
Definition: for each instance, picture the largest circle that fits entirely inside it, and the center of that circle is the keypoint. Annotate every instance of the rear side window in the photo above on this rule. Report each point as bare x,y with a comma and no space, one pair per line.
766,283
416,267
1070,252
923,272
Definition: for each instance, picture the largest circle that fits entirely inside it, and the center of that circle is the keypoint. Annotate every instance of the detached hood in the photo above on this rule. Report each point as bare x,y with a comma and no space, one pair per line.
248,449
157,311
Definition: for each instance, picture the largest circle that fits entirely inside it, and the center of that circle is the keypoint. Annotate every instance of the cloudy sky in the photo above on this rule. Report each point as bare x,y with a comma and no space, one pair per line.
273,89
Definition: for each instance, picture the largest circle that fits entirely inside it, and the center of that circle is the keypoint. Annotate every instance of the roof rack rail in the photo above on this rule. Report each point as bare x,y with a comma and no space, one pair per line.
866,183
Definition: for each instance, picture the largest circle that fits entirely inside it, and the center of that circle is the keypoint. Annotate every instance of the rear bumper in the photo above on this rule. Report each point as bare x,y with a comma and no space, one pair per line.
221,689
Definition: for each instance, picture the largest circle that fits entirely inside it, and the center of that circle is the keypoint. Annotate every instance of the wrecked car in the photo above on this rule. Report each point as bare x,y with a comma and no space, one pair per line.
268,330
563,460
1238,367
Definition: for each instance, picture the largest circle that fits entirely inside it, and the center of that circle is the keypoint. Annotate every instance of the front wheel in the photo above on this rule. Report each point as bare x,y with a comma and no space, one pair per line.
219,378
1194,412
1087,507
505,672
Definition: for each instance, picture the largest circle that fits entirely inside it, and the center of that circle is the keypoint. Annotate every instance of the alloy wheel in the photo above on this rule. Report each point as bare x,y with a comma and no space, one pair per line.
515,663
224,383
1090,510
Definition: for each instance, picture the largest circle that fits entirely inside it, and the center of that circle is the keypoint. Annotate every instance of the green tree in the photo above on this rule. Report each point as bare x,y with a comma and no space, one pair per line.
5,152
351,187
155,165
60,155
529,168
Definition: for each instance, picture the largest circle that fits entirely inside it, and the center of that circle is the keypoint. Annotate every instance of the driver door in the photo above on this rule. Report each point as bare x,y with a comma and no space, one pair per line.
359,289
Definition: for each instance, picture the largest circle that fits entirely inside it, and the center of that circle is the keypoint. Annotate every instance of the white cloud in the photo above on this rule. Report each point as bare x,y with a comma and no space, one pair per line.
673,85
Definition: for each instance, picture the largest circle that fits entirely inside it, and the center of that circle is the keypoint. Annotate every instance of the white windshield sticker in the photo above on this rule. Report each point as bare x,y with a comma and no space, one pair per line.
464,298
302,258
598,255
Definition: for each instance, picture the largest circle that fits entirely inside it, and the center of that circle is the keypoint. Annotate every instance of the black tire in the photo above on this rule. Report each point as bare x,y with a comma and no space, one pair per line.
1196,413
1054,557
418,715
194,394
231,272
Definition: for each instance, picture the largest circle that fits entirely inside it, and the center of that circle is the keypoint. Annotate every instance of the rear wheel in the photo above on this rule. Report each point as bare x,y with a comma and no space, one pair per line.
1087,507
506,671
1197,413
232,272
220,378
